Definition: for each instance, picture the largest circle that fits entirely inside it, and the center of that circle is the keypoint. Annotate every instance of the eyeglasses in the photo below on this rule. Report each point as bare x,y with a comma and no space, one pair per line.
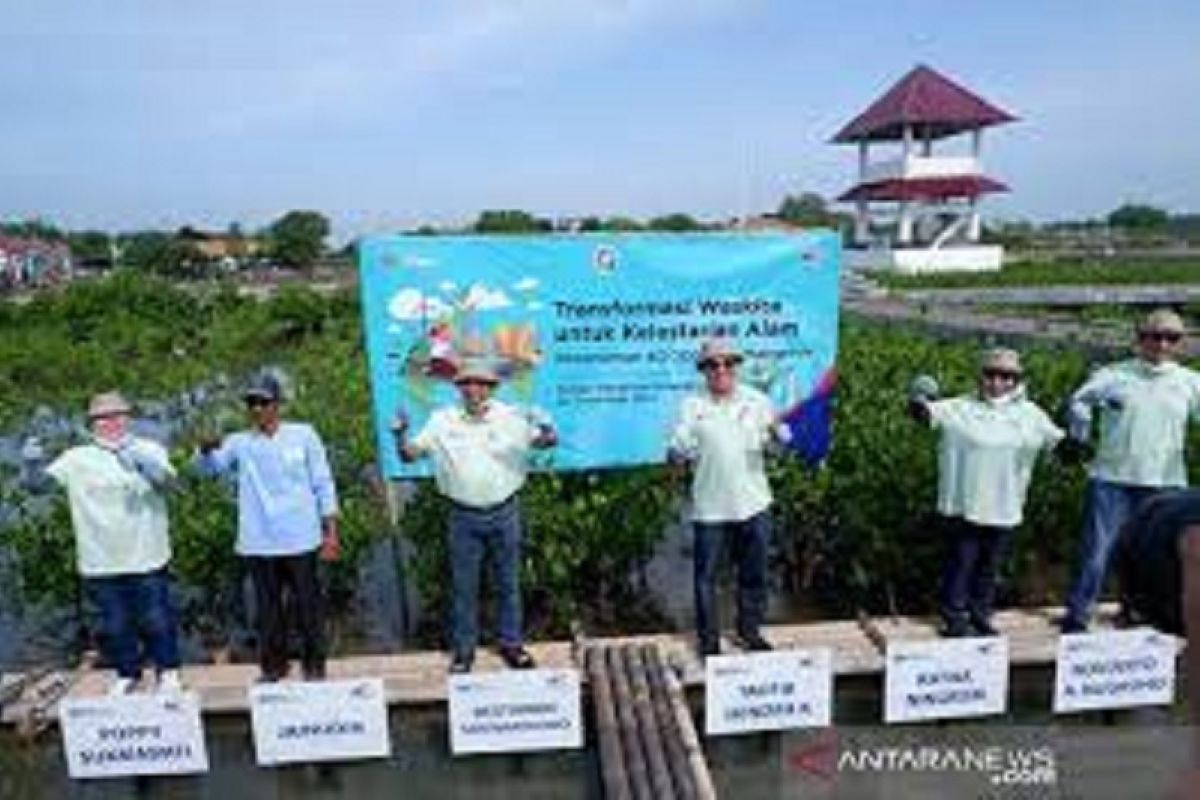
713,364
1001,375
474,382
258,402
1169,337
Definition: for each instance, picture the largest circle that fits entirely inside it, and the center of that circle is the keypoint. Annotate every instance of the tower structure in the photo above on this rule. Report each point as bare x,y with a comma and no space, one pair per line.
917,210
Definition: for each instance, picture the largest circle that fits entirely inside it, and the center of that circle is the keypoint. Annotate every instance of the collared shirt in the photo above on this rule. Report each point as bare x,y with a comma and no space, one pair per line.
726,439
285,488
119,518
1144,410
986,455
478,461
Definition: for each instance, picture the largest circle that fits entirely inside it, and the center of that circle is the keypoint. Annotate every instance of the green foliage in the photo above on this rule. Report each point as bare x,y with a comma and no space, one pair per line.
856,532
297,239
1074,272
1133,217
674,223
92,247
620,224
158,253
808,210
510,221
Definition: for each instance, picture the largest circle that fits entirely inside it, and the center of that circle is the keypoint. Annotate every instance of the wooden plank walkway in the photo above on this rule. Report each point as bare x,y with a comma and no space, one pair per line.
420,677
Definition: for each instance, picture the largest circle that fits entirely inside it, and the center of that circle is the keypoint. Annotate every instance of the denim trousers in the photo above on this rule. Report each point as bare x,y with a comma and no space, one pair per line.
288,588
974,554
136,608
474,533
1106,509
748,541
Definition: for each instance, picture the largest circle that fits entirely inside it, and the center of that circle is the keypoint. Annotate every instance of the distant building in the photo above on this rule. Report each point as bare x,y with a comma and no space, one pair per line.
31,262
917,211
230,251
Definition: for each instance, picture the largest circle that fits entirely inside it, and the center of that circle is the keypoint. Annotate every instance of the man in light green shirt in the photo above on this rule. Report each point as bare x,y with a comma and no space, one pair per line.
115,487
1144,406
480,451
723,432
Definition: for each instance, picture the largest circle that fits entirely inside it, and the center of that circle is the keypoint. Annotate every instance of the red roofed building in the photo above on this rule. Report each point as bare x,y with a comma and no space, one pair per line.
914,210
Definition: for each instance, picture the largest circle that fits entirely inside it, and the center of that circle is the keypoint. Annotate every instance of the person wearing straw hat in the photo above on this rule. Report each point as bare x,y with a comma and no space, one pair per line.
1143,405
115,485
723,432
287,523
989,442
480,451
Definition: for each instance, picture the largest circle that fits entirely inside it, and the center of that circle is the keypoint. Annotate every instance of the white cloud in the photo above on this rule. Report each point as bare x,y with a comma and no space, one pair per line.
409,304
448,287
526,284
482,298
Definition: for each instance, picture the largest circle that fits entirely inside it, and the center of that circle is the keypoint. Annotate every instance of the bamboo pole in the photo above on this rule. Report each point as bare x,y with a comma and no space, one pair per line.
612,762
691,742
651,736
677,757
635,759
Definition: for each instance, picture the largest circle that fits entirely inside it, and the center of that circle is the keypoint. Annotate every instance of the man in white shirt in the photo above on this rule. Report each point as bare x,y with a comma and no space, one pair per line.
989,442
480,451
115,486
723,431
1144,406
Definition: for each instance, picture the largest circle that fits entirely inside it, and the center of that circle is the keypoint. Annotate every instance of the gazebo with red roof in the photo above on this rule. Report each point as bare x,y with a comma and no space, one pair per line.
920,212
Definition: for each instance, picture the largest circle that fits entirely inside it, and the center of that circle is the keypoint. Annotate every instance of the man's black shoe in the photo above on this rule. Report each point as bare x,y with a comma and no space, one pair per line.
708,646
984,627
755,643
461,663
955,629
1072,625
517,657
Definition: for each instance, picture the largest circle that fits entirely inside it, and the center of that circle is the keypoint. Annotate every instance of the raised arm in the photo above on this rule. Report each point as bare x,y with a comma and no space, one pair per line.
214,457
922,392
150,460
1095,391
409,450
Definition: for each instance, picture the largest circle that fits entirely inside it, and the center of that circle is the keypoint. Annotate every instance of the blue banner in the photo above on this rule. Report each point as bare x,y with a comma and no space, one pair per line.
600,332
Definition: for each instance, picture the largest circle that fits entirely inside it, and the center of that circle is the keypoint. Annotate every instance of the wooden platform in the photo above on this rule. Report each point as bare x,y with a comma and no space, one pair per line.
420,677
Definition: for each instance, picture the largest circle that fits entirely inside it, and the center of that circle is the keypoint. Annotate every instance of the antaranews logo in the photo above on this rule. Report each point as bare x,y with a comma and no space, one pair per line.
826,757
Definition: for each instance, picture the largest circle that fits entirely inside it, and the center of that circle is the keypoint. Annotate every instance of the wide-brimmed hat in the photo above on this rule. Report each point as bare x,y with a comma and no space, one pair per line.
1161,320
476,369
108,404
263,387
718,347
1001,359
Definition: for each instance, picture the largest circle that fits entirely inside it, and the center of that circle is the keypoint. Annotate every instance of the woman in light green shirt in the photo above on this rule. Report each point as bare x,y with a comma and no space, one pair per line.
989,442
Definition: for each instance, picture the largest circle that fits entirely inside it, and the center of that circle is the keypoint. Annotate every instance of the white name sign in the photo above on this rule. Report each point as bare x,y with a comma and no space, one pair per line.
145,734
767,691
500,712
320,721
946,678
1114,669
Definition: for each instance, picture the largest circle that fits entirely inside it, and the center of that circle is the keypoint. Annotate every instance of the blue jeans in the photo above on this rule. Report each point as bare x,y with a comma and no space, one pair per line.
1106,509
472,533
132,607
973,558
749,540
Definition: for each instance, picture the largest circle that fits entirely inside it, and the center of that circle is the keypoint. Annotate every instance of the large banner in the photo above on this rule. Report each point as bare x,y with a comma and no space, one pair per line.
600,332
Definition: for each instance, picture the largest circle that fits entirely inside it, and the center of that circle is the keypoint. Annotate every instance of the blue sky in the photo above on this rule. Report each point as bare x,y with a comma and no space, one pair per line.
388,113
